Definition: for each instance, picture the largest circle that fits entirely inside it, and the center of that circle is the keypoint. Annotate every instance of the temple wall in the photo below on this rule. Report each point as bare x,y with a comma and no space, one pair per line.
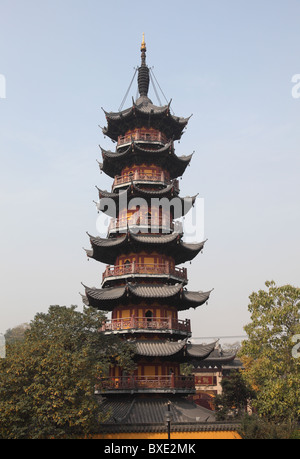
205,435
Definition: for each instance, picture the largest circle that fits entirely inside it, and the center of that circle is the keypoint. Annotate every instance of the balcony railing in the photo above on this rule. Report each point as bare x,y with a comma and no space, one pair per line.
143,177
156,269
143,224
159,324
141,136
147,383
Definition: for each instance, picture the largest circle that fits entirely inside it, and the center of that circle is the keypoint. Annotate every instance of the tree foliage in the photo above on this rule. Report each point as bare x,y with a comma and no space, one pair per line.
47,380
234,398
255,428
271,367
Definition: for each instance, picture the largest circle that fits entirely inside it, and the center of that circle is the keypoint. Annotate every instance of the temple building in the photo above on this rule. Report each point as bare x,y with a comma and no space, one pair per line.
210,372
144,288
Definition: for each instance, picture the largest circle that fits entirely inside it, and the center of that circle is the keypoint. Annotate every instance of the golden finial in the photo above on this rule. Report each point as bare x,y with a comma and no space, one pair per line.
143,46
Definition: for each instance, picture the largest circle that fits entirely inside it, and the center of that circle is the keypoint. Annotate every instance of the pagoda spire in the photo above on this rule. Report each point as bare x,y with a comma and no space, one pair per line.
143,50
143,71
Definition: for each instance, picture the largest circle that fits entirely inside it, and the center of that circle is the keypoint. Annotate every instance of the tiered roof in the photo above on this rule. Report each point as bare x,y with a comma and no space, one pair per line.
179,208
144,113
106,299
167,348
219,358
114,162
107,250
149,414
144,415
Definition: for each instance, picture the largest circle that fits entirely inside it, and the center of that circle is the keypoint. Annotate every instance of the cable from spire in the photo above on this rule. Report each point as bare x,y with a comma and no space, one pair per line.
154,87
145,76
154,78
125,97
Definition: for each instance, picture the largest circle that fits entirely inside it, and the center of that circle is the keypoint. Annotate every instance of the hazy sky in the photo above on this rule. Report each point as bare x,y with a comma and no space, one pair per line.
230,64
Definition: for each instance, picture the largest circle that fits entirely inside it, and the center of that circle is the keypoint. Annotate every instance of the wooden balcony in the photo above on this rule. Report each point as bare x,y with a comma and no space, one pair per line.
146,384
142,136
142,224
139,177
145,270
149,325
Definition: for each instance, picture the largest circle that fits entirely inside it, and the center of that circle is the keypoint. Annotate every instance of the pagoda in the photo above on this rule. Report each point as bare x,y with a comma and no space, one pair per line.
143,286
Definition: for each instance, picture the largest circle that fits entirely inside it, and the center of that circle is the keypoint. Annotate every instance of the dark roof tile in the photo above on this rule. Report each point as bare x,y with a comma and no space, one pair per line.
114,162
105,299
147,414
159,348
106,250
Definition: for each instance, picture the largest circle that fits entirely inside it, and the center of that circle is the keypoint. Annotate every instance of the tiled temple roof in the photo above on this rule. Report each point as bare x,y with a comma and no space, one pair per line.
144,112
106,250
200,350
147,414
179,207
164,348
219,358
159,348
114,162
106,299
168,190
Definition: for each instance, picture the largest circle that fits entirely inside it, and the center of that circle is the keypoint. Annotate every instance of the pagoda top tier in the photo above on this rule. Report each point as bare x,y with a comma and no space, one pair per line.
143,112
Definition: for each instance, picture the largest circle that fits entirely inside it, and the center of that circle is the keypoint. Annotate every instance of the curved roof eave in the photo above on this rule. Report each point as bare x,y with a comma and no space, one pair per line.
119,122
202,351
159,348
105,250
112,165
105,298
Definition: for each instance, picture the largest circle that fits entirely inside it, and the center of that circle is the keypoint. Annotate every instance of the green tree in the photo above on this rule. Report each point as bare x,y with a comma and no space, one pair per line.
271,366
255,428
47,380
235,396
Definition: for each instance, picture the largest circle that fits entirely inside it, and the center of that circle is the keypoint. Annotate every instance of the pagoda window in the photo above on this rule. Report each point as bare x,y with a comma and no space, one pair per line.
127,266
149,316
